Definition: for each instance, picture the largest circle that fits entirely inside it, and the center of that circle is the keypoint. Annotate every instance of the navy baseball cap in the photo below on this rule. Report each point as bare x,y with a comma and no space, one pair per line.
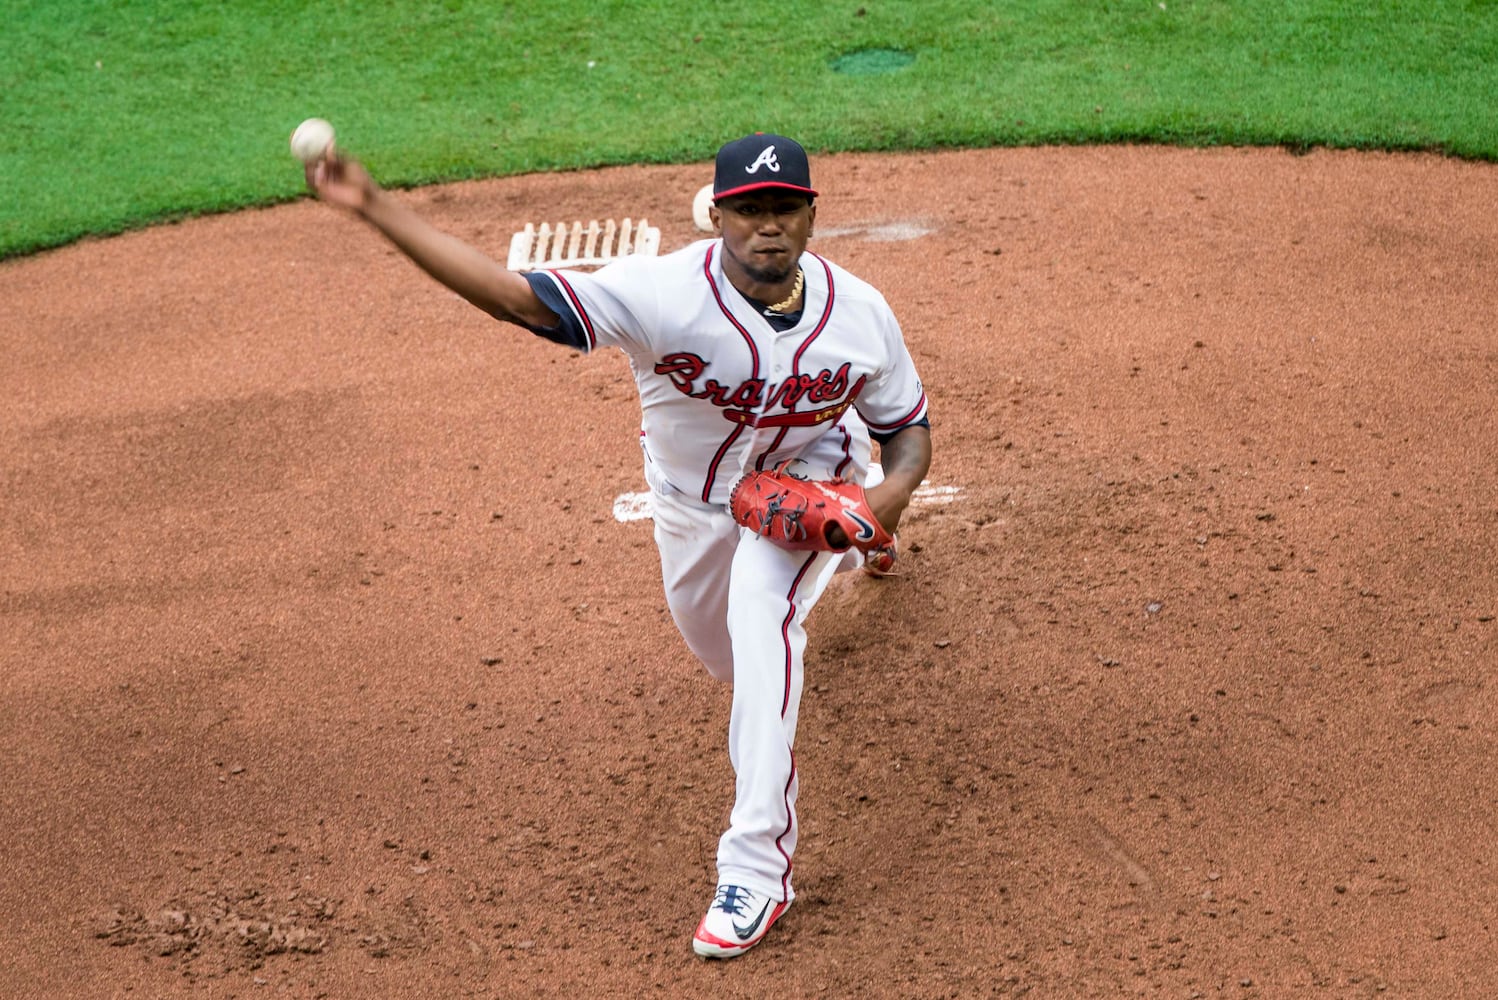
762,160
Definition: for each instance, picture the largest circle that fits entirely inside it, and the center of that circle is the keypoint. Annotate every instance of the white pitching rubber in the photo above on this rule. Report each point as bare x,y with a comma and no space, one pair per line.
580,246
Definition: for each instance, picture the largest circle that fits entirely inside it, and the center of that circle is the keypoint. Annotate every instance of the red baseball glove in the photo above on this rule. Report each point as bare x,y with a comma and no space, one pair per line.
798,513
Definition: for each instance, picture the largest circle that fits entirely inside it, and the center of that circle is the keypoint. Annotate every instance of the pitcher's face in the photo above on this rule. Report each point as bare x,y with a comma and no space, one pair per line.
764,232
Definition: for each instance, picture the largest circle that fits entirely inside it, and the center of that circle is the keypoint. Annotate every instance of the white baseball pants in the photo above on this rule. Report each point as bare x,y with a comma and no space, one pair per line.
741,603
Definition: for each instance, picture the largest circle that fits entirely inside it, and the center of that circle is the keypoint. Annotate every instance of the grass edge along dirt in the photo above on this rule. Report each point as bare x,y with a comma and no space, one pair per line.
128,115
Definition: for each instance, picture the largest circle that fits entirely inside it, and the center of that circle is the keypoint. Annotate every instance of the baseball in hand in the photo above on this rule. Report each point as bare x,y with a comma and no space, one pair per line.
311,140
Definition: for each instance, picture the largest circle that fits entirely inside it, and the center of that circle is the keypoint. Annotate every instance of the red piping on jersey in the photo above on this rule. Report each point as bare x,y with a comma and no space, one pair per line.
827,312
809,418
759,463
712,469
707,272
577,306
909,418
842,466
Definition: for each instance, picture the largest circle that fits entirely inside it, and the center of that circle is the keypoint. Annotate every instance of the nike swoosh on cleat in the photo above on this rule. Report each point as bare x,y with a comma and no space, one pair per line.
745,933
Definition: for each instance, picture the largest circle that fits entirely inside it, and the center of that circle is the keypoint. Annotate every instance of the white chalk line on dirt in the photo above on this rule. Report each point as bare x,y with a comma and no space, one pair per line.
886,232
636,506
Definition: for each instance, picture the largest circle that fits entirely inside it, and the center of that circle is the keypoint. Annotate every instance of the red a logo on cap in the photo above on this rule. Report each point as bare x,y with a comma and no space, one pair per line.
765,159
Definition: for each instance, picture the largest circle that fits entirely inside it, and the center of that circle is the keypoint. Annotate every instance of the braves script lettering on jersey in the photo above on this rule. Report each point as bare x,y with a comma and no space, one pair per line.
723,391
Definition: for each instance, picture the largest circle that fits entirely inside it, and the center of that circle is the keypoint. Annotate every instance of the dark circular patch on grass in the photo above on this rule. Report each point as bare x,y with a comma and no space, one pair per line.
871,62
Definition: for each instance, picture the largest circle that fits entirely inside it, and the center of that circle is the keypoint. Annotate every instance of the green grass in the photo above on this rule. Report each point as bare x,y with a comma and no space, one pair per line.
117,115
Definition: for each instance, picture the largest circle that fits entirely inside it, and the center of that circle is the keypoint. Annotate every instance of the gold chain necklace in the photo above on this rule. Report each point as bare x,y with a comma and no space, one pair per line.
789,300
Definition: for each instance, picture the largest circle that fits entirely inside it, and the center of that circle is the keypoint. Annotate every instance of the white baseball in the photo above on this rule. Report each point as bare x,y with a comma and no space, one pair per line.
700,204
311,140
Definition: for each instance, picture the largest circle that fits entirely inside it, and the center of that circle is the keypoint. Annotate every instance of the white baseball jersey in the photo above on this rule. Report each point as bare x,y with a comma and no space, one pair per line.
721,390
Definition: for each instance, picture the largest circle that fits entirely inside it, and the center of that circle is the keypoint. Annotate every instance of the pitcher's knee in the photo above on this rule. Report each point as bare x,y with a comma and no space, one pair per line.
715,654
721,671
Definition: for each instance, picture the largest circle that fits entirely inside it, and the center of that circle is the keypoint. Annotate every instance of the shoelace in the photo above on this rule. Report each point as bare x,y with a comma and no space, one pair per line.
732,899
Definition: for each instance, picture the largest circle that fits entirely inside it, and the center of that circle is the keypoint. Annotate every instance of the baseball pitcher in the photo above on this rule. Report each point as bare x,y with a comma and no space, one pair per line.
764,373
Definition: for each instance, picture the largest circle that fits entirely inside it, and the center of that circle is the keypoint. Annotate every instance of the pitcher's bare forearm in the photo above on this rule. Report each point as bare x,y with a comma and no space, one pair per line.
466,270
905,458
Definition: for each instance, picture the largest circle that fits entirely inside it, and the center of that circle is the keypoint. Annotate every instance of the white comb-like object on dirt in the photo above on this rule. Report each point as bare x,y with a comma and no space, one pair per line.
578,245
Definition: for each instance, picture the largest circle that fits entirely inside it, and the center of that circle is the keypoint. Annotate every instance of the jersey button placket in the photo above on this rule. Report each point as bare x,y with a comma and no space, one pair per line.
777,359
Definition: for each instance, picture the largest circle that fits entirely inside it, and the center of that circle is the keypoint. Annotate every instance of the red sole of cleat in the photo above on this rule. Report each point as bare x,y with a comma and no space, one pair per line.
711,946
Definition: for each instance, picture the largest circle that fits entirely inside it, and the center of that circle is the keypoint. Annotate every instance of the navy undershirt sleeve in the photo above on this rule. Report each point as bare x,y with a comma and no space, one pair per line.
882,438
569,331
